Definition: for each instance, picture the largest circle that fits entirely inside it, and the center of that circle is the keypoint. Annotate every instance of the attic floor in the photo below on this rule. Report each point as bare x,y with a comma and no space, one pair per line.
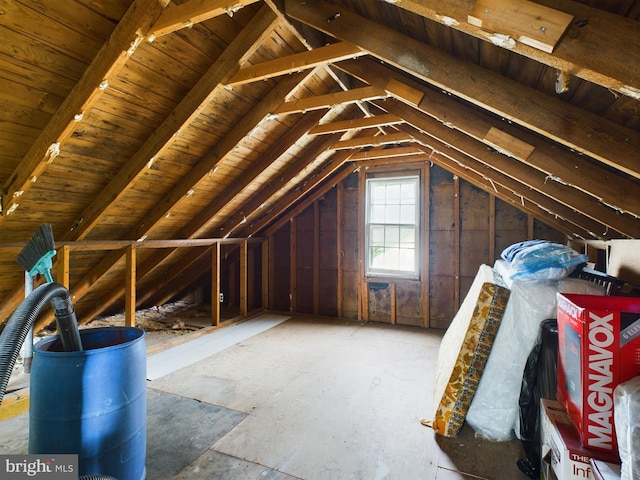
311,398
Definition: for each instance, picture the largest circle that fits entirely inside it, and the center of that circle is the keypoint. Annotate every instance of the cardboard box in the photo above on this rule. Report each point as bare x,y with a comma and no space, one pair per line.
599,347
564,457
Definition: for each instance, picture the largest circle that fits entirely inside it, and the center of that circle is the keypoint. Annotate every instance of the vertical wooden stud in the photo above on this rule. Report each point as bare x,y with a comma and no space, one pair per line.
215,284
243,279
456,240
130,286
316,257
272,269
294,265
425,240
265,272
392,293
251,275
363,287
340,253
492,229
64,254
530,225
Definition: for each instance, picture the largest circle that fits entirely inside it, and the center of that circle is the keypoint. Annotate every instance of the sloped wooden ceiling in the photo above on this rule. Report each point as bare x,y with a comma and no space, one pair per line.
154,120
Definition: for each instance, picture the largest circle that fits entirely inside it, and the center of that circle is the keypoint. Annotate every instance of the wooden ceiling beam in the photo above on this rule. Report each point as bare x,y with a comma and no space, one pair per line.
374,141
557,164
356,124
296,62
600,52
589,134
113,55
200,95
330,99
522,179
192,12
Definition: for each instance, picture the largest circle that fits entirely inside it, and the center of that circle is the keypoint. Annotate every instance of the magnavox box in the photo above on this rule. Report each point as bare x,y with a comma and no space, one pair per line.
599,347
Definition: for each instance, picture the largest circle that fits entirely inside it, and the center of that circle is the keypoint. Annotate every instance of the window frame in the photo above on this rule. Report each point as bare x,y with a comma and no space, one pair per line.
414,178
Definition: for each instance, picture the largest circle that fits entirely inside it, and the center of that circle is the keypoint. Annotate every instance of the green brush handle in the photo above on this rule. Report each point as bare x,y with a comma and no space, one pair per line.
44,266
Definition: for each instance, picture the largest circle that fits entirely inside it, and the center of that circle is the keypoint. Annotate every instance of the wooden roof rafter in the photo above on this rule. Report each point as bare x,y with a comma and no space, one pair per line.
557,164
187,14
607,65
579,130
200,95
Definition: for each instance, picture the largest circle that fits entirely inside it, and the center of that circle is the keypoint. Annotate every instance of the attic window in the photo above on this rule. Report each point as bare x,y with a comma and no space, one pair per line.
392,225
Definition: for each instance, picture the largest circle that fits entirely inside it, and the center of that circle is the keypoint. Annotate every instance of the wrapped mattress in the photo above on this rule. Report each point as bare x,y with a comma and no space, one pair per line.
465,349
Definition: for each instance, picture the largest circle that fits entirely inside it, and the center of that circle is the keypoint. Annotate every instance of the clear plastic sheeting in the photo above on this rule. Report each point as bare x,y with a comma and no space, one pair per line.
626,399
494,410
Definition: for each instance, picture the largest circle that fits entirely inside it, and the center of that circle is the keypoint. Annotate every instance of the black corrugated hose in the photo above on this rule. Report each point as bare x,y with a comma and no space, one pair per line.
22,320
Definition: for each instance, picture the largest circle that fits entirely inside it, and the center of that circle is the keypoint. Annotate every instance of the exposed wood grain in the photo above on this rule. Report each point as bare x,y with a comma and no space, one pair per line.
607,65
189,13
558,164
111,58
296,62
607,142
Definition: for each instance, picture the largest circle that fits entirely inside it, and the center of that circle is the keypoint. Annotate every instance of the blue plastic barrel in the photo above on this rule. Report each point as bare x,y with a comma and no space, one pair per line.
92,403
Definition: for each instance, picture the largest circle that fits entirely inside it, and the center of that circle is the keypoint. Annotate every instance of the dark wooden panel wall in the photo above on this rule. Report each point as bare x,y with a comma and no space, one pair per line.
315,261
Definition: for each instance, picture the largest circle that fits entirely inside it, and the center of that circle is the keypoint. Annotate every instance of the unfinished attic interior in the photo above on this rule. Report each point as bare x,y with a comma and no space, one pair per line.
344,163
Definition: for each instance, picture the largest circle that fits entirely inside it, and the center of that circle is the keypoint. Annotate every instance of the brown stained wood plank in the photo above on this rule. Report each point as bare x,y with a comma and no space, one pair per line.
616,37
330,99
404,152
557,164
608,142
199,96
401,90
130,288
532,24
244,271
215,284
340,248
296,62
361,142
508,144
189,13
425,241
492,229
356,124
109,60
363,286
266,272
293,267
62,266
316,257
456,240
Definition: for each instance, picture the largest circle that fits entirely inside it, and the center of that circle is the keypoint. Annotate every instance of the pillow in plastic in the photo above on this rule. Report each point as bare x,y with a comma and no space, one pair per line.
541,260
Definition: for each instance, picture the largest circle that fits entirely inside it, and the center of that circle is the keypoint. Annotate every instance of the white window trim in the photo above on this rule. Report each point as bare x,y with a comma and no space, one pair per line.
387,273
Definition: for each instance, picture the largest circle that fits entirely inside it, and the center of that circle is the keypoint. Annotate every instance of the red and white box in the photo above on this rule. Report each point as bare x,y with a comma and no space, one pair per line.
563,455
599,347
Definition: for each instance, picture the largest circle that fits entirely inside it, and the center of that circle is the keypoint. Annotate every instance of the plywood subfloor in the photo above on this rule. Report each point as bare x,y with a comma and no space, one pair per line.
311,398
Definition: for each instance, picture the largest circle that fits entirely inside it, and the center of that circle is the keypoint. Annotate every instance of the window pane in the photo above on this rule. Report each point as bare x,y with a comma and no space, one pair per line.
393,193
408,193
406,259
407,214
377,193
407,236
377,214
377,236
392,214
391,236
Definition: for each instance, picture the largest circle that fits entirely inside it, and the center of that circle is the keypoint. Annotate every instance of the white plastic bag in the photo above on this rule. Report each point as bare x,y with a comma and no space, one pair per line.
626,410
